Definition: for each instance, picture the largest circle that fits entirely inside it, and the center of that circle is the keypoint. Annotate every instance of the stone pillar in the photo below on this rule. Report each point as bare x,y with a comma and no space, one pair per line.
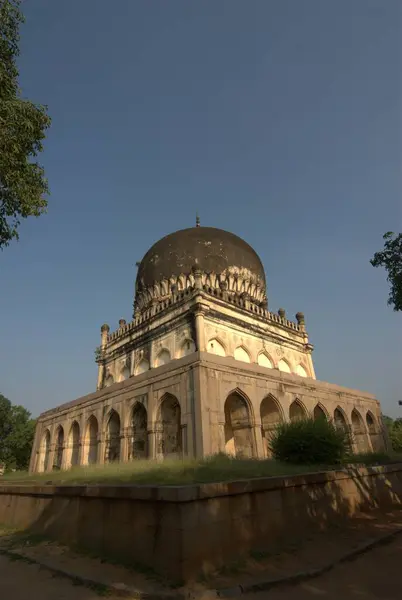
221,429
101,449
33,462
152,443
101,365
258,443
199,314
124,440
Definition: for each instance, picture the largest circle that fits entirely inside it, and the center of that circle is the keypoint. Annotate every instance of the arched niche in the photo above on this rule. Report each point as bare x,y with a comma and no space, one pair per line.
187,347
59,449
283,366
264,361
163,358
214,346
142,366
169,438
319,413
297,412
112,446
238,433
44,452
91,441
359,432
139,432
271,416
109,380
301,371
73,445
241,353
124,373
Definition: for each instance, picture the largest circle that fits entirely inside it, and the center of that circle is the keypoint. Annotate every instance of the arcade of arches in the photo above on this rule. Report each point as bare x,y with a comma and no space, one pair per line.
245,432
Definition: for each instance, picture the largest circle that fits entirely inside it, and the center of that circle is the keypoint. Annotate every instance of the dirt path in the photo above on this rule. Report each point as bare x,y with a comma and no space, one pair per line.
21,581
376,575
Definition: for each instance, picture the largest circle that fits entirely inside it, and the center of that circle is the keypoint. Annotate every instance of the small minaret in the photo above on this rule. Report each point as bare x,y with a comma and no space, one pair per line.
197,220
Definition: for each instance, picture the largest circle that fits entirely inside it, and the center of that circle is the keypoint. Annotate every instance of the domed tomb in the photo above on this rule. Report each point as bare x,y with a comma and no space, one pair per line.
225,261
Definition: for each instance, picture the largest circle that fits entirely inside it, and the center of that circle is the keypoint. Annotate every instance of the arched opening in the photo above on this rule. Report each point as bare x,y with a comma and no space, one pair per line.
163,358
187,347
374,433
270,418
112,448
319,413
238,433
284,366
59,448
241,353
297,412
264,361
124,374
341,423
73,445
301,371
44,452
91,441
359,432
139,432
169,442
142,366
215,347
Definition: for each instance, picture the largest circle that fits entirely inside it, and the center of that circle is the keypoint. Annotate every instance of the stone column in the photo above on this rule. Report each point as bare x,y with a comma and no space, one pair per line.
258,443
33,462
199,314
51,457
101,449
221,429
152,443
124,445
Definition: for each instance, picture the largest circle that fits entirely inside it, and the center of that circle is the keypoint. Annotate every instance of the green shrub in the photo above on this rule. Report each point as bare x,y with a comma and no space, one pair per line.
309,441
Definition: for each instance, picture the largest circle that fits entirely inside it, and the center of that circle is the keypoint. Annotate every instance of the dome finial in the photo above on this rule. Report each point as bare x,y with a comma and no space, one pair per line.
197,220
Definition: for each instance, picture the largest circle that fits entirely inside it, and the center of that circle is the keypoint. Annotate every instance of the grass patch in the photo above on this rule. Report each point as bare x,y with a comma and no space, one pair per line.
218,468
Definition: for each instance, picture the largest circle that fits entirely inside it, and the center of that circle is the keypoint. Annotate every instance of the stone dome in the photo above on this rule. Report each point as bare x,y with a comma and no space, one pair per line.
225,260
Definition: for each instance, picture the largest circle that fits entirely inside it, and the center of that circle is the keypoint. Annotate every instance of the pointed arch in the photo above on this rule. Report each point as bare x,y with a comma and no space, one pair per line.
271,416
264,360
301,371
124,373
320,412
359,432
215,346
374,432
73,445
112,446
297,411
242,354
238,419
186,348
91,441
142,366
44,452
163,358
138,447
59,448
284,366
168,420
340,419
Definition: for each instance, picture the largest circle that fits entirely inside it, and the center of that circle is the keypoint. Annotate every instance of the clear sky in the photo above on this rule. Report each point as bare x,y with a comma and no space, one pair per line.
278,120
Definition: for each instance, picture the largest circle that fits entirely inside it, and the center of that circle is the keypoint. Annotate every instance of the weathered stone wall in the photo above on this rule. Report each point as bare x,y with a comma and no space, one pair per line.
181,531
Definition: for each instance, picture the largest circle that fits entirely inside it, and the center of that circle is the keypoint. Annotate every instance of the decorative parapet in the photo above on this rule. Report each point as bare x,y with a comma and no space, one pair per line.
239,301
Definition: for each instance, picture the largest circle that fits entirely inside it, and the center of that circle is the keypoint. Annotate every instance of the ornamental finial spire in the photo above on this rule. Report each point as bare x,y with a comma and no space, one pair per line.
197,220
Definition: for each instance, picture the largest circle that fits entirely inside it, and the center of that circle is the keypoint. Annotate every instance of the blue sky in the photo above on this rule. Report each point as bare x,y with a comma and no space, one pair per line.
278,120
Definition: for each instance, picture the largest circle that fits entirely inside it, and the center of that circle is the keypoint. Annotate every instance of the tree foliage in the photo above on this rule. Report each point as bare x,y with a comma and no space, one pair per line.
23,187
309,441
391,258
16,435
394,428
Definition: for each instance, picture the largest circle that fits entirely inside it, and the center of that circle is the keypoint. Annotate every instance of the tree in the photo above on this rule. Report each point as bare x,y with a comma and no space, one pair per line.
16,435
394,428
391,259
23,187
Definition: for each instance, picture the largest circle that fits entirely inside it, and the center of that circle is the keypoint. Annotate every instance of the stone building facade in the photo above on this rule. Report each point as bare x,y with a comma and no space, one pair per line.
203,367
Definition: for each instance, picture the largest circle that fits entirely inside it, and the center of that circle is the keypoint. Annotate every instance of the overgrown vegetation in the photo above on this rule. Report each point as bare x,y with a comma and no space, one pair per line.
309,441
16,435
218,468
394,428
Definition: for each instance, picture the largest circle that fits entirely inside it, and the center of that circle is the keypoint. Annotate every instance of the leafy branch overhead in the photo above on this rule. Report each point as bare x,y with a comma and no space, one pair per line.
391,259
23,186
